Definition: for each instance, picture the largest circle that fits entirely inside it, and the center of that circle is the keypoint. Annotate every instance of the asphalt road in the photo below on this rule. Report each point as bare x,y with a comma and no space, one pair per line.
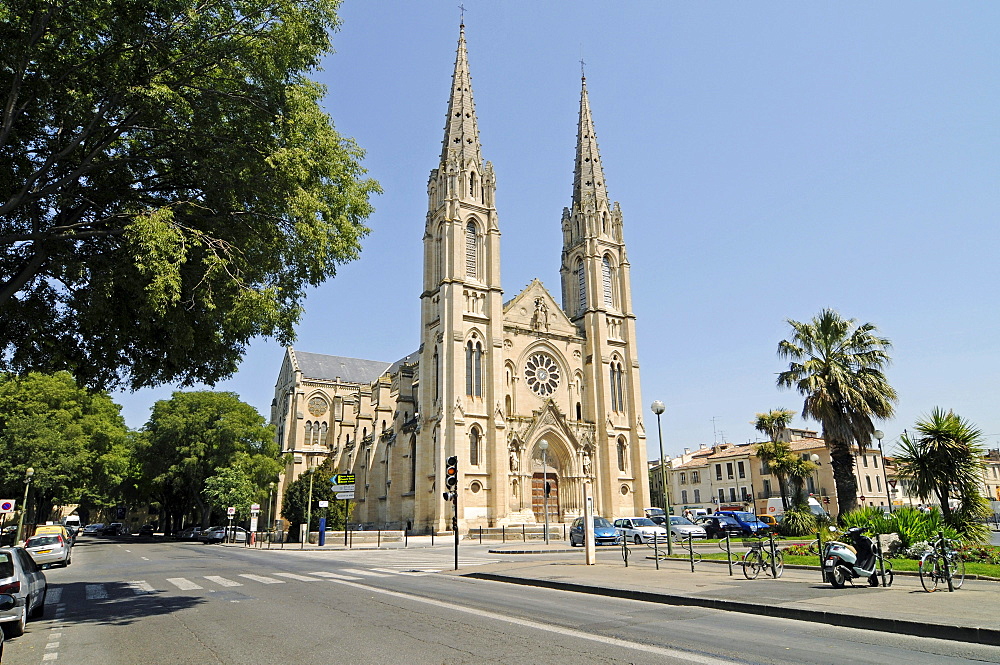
135,602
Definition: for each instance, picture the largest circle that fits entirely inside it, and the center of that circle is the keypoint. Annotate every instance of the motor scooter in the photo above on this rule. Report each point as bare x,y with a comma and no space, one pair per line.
844,563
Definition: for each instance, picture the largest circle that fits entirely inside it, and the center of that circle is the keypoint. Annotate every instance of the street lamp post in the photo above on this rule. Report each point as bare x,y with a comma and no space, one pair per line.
879,434
658,408
814,458
24,505
309,507
543,445
270,505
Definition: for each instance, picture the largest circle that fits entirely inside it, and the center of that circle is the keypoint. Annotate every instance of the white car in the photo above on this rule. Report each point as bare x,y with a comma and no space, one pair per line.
21,577
640,530
49,549
682,527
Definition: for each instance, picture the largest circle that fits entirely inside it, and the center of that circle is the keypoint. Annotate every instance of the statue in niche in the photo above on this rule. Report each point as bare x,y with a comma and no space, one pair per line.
513,460
586,463
540,319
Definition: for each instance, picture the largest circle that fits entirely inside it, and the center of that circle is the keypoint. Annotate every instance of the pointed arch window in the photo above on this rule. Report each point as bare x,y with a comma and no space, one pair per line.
322,434
474,441
437,377
617,387
607,276
622,455
474,368
473,243
472,184
309,428
438,259
581,285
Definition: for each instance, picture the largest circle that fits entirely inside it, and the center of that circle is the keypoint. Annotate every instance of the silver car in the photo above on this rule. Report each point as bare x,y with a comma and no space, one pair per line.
49,548
23,579
640,530
681,528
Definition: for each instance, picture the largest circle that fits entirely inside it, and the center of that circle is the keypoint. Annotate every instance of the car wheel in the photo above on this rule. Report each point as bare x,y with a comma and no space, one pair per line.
16,628
637,540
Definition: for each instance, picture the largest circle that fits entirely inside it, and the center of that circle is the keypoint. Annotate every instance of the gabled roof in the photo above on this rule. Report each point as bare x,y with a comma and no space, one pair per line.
331,368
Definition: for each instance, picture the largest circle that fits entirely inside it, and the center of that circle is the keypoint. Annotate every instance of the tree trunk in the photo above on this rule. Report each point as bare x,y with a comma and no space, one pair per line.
781,491
842,461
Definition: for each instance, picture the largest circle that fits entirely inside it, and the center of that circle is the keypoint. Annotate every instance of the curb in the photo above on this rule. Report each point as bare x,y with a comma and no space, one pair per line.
973,634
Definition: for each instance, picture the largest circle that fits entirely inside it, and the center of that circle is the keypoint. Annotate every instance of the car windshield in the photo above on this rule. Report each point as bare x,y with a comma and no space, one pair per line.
723,519
642,521
746,517
601,523
41,541
677,519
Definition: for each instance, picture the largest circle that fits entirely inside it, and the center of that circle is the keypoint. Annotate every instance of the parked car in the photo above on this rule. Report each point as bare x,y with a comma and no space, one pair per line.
49,548
681,528
604,532
54,530
640,529
147,529
656,515
188,533
717,526
770,521
217,534
21,577
748,522
115,529
95,529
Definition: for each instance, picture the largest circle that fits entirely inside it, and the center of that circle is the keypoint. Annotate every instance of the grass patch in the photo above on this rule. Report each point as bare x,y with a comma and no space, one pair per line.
989,570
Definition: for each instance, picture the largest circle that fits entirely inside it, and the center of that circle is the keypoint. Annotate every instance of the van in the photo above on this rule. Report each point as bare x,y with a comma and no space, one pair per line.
775,509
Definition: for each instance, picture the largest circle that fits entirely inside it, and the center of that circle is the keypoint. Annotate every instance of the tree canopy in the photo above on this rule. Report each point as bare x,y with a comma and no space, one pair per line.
169,185
199,435
838,366
74,439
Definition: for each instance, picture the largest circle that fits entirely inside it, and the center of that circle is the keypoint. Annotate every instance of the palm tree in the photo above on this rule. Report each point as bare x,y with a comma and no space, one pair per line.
945,460
838,366
798,471
774,452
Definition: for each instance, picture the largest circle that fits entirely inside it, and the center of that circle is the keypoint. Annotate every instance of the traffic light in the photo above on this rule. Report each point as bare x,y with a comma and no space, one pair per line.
451,478
826,500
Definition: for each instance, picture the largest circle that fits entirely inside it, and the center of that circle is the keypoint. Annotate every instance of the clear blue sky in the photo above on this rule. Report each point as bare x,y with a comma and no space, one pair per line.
771,159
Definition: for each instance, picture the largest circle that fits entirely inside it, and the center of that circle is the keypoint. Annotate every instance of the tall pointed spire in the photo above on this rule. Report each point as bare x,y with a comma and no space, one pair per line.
588,177
461,131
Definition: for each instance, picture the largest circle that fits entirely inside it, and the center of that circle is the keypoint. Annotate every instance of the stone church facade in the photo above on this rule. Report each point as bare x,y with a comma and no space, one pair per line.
491,379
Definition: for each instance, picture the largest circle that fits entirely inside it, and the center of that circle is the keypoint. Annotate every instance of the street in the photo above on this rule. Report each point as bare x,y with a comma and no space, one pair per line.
159,602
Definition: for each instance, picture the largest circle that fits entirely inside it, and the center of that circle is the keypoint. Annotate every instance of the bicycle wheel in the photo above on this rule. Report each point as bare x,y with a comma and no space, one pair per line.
752,563
930,572
957,571
779,564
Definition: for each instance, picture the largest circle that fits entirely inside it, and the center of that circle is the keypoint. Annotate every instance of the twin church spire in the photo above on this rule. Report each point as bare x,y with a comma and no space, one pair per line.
461,130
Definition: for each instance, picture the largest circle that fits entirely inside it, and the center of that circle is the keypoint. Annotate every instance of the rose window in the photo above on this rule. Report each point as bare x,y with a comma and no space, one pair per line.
542,374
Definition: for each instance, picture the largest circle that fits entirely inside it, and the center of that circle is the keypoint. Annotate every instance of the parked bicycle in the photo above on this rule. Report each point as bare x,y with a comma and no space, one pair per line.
943,563
760,557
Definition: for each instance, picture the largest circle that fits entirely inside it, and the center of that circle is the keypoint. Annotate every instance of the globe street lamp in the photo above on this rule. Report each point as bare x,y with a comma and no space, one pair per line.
814,458
885,478
543,445
658,408
24,505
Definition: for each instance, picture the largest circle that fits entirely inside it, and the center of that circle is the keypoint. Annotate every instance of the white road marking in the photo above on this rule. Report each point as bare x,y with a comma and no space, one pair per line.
366,573
335,576
300,578
96,592
55,636
537,625
54,596
184,584
221,581
263,579
52,645
144,558
140,587
50,656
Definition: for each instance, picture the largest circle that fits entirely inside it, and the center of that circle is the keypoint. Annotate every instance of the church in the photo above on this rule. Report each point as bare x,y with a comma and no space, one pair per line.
533,396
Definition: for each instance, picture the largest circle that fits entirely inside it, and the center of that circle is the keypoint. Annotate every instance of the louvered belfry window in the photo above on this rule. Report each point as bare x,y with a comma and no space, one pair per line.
471,251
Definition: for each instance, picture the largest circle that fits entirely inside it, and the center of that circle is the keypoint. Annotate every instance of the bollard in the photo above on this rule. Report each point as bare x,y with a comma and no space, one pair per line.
406,537
503,533
774,568
523,536
432,536
819,544
690,550
625,551
656,549
729,555
480,535
378,542
881,558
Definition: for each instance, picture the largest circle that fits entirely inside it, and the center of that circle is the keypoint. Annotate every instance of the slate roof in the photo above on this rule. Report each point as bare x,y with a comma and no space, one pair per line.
351,370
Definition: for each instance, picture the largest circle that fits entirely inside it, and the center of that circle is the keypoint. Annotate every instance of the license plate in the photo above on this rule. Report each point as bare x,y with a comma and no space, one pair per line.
45,551
828,564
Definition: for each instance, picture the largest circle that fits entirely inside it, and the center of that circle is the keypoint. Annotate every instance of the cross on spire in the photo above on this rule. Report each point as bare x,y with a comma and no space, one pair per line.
583,73
462,8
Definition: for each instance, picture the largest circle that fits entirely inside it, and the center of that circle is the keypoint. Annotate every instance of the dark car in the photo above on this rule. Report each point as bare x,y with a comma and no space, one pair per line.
716,526
604,532
147,529
114,529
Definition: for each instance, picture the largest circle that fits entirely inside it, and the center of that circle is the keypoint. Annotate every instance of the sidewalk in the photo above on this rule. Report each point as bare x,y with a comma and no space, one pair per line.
971,614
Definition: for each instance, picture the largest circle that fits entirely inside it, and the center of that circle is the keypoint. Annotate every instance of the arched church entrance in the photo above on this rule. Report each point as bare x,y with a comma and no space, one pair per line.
539,484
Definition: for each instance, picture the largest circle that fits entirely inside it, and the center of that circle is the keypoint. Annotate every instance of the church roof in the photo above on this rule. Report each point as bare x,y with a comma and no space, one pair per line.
330,368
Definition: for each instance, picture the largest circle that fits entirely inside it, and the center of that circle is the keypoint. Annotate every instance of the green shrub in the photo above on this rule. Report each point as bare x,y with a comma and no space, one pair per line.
797,523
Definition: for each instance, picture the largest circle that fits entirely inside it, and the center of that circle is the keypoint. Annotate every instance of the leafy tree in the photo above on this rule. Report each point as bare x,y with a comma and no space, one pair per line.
774,452
74,439
193,435
838,366
945,460
169,185
295,503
